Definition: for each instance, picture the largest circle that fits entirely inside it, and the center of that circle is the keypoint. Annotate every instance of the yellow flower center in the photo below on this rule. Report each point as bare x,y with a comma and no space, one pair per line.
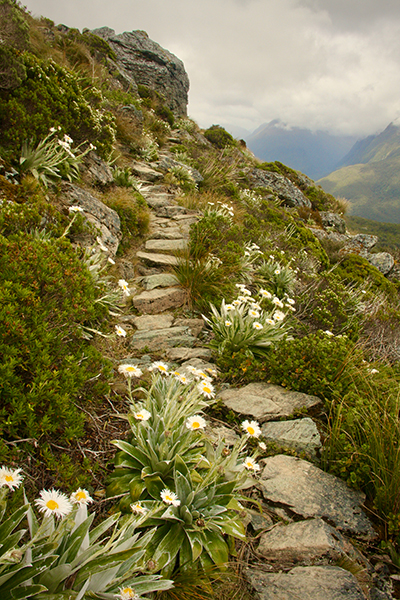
129,591
168,498
206,389
9,478
195,425
250,430
52,505
80,495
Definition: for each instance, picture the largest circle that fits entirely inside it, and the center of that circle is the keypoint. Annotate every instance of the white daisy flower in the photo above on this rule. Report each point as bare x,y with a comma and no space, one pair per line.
255,306
111,261
159,366
329,333
228,323
142,415
240,285
242,299
81,497
277,272
182,378
254,314
195,423
229,307
120,331
257,325
52,502
130,370
279,315
138,509
277,302
265,294
212,372
290,301
127,593
169,497
270,321
10,477
236,302
75,208
263,446
246,292
125,287
251,464
206,388
252,428
373,371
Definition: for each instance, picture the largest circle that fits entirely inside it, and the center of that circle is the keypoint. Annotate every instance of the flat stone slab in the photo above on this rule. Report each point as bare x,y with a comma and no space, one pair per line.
150,282
151,322
159,300
265,401
310,492
167,233
166,245
305,583
160,338
157,260
219,433
170,211
182,354
145,172
300,434
158,200
196,325
303,543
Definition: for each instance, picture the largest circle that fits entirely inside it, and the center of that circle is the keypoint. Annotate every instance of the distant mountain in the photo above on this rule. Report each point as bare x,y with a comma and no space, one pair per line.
314,153
370,177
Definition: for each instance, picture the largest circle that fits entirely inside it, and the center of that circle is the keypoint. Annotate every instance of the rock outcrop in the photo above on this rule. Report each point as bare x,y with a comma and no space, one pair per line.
144,62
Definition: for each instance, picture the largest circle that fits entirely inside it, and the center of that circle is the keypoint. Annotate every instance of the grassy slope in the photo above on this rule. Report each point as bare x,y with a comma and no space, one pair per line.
372,189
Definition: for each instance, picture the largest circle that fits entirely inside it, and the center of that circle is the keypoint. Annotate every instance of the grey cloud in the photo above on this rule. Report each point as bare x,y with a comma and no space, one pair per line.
322,64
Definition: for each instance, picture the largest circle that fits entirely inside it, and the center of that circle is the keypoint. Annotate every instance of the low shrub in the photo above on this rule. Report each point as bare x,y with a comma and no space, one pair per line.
219,137
46,297
51,96
133,213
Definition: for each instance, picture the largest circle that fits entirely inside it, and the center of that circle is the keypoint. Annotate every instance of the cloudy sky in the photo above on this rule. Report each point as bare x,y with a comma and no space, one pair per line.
332,65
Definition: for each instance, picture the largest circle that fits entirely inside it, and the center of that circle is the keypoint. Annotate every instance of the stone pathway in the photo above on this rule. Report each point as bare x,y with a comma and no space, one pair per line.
319,516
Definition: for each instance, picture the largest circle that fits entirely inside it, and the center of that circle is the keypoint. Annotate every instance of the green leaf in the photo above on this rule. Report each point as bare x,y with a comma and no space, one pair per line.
169,546
235,528
216,547
154,486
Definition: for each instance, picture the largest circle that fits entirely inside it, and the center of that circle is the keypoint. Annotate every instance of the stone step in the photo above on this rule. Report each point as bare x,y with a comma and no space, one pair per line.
265,401
304,543
310,492
150,282
172,210
158,200
146,173
168,246
300,434
159,300
162,338
305,583
166,233
157,260
182,354
152,322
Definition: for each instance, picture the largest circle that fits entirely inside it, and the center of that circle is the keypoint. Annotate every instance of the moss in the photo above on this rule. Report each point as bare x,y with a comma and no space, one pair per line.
355,269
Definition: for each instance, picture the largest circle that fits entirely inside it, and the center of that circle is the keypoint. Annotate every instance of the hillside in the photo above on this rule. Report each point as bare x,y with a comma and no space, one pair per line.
314,153
369,179
199,364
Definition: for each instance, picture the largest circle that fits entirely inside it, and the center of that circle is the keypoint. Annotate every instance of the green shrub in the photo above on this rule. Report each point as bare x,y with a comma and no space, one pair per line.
51,96
46,297
355,269
219,137
133,213
14,39
318,363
